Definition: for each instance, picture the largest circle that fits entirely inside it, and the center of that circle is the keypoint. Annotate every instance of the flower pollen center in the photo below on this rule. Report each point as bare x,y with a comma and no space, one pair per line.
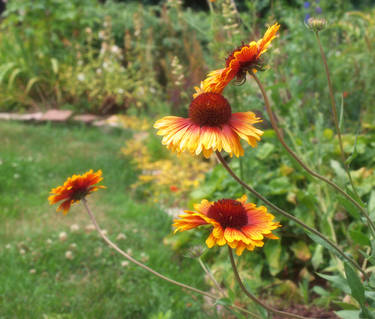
228,213
210,109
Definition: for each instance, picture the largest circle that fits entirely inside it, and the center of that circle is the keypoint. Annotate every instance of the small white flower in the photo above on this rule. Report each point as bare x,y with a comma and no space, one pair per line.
101,34
69,255
124,263
8,246
74,228
63,236
73,246
1,162
129,251
81,77
115,49
120,91
105,65
90,227
32,271
99,71
16,176
22,251
121,236
49,241
104,232
144,257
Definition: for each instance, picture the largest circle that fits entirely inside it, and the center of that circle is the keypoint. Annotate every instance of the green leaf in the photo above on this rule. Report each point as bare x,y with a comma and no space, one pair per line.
348,314
272,251
265,151
350,208
359,238
337,281
355,283
322,242
339,171
371,204
317,258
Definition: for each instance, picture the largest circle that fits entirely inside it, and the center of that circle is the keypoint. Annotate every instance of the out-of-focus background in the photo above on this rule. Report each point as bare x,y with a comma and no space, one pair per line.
123,65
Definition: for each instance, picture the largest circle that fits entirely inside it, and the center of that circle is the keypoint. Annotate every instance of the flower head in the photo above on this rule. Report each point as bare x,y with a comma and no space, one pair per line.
211,126
236,223
74,189
246,58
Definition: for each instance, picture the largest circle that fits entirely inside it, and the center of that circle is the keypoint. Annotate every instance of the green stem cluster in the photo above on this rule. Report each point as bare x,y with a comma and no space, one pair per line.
300,162
255,299
150,270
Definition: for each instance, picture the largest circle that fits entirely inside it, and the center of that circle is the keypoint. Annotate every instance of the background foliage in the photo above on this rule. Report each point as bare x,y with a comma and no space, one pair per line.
144,58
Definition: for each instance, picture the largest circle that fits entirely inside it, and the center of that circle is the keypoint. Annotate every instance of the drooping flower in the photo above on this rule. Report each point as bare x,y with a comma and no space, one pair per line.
74,189
211,126
246,58
235,223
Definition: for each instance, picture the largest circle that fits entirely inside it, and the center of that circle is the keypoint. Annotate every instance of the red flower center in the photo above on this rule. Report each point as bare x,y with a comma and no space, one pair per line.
210,109
228,213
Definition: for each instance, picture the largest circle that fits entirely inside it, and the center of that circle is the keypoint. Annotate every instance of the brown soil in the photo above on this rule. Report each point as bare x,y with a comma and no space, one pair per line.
308,312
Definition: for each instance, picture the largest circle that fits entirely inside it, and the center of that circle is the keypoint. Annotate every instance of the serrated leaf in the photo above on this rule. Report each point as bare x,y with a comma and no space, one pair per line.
355,284
337,281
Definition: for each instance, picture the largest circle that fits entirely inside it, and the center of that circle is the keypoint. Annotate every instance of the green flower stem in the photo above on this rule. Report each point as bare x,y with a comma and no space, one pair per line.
300,162
289,216
130,258
255,299
334,113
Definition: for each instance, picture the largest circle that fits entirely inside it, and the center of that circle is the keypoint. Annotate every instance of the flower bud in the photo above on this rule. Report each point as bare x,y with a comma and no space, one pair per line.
317,24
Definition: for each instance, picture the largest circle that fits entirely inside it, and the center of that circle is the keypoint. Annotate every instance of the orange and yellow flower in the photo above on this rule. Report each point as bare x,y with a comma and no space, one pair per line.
236,223
74,189
246,58
211,126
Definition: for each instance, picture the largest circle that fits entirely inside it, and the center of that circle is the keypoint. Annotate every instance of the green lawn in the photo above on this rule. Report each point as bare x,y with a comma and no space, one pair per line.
37,280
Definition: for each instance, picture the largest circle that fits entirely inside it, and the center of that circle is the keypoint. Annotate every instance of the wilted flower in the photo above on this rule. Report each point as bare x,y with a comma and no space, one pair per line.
236,223
74,189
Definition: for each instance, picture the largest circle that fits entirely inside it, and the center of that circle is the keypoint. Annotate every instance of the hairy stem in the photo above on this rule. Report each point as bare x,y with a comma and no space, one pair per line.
289,216
130,258
334,113
255,299
301,163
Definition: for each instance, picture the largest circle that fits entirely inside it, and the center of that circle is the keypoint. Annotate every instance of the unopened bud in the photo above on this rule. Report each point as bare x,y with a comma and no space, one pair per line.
317,24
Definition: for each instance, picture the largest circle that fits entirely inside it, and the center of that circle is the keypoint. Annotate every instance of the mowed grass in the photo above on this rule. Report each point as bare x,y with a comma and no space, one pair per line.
46,274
